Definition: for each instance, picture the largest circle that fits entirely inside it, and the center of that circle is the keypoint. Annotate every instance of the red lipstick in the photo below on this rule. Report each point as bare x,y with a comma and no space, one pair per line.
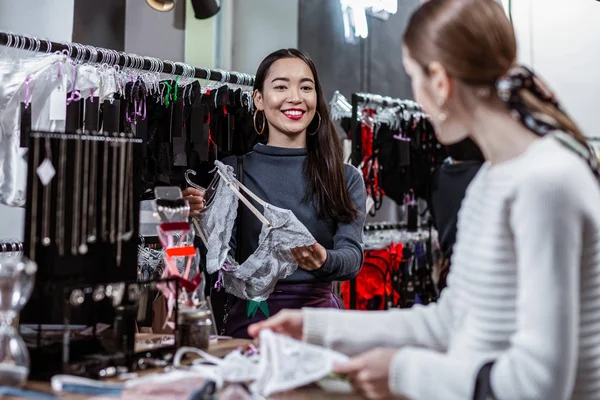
294,113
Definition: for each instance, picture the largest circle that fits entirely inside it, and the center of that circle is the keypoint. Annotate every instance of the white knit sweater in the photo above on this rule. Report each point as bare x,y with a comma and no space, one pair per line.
524,290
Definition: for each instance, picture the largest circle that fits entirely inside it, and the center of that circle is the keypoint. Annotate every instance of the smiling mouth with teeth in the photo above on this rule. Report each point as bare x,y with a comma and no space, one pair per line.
294,115
293,112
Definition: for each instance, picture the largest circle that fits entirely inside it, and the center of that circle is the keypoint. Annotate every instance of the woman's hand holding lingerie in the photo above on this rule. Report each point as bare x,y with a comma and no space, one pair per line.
195,198
310,258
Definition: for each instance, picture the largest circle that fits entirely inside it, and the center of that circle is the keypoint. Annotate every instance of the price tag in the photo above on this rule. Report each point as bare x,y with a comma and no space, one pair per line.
370,204
46,172
58,103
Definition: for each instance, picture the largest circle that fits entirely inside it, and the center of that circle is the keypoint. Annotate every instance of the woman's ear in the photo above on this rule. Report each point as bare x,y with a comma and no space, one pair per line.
441,84
258,100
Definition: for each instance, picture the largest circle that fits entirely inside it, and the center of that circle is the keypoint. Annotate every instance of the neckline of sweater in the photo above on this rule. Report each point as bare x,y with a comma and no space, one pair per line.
279,151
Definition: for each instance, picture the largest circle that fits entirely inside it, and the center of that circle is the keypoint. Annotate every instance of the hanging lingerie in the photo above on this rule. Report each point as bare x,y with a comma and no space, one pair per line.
272,260
18,83
34,81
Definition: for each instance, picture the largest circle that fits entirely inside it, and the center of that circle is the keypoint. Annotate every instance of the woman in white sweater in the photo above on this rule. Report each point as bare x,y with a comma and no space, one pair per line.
520,318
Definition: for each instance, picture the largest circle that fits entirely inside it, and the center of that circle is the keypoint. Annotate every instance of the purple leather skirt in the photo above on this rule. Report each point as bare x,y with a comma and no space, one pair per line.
285,296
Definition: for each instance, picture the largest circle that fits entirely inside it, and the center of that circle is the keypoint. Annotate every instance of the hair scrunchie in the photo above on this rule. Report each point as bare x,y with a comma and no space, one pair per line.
509,88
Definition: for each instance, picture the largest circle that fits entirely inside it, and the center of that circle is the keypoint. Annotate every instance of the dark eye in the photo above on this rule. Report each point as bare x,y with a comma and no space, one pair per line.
280,87
307,88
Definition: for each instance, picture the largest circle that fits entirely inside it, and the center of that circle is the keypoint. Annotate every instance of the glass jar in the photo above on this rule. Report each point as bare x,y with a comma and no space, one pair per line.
193,328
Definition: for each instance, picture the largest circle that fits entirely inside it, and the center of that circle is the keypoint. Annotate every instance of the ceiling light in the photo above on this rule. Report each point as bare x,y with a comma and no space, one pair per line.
354,14
161,5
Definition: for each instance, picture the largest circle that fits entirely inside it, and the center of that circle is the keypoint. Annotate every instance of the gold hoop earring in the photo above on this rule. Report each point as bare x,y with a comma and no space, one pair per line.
263,125
318,126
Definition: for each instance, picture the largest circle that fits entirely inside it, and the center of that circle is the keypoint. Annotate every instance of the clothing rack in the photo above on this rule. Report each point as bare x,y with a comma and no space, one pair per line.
389,226
371,99
385,101
383,226
86,53
11,247
357,100
402,259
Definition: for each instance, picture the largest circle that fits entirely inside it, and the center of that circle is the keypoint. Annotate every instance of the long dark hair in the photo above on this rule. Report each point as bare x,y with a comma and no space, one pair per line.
324,165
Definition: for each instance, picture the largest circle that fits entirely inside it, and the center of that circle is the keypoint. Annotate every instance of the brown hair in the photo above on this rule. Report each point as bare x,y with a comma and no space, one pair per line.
324,165
475,42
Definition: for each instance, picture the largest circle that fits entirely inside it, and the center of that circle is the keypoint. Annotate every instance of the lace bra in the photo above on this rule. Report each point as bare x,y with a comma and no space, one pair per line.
255,278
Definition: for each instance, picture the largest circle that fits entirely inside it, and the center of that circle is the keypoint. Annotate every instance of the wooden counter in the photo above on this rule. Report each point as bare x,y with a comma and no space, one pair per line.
219,349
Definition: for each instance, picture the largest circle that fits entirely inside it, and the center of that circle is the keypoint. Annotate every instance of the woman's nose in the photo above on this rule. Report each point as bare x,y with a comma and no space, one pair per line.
294,96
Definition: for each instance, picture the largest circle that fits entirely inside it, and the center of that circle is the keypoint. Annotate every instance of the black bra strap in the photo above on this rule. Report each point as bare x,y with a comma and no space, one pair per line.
238,239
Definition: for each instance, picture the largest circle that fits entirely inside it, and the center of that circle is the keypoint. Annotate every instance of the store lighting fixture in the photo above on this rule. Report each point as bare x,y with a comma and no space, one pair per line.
354,14
161,5
387,6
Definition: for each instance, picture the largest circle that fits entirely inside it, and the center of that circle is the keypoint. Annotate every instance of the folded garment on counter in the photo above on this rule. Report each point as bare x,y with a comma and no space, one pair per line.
10,391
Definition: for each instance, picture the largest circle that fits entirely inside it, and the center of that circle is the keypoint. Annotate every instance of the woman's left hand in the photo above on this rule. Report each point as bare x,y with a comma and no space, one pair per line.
311,257
369,372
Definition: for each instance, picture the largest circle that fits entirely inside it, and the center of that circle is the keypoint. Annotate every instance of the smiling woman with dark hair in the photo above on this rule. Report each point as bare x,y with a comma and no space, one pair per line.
300,168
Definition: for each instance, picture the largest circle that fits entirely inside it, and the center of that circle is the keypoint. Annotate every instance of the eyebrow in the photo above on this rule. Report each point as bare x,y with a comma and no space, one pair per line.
288,79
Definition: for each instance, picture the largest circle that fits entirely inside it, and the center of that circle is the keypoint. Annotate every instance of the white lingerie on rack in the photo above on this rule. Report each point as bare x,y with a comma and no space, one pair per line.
255,278
43,82
42,75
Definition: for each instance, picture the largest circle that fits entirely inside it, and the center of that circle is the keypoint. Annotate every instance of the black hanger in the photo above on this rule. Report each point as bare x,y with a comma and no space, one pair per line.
209,194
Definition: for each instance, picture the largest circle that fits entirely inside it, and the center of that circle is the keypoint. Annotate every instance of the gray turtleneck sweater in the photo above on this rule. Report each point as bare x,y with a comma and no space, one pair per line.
276,175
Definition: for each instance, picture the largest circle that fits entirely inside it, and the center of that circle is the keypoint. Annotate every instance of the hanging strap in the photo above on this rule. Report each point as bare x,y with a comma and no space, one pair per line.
244,200
199,231
252,195
238,194
238,238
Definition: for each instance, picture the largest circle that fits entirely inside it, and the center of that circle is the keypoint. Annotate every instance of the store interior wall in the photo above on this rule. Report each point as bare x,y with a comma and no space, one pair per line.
200,39
261,27
567,58
224,35
100,23
43,18
155,34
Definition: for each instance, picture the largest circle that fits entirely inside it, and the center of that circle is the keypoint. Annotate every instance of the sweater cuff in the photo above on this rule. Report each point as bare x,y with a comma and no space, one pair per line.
419,373
332,260
315,325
